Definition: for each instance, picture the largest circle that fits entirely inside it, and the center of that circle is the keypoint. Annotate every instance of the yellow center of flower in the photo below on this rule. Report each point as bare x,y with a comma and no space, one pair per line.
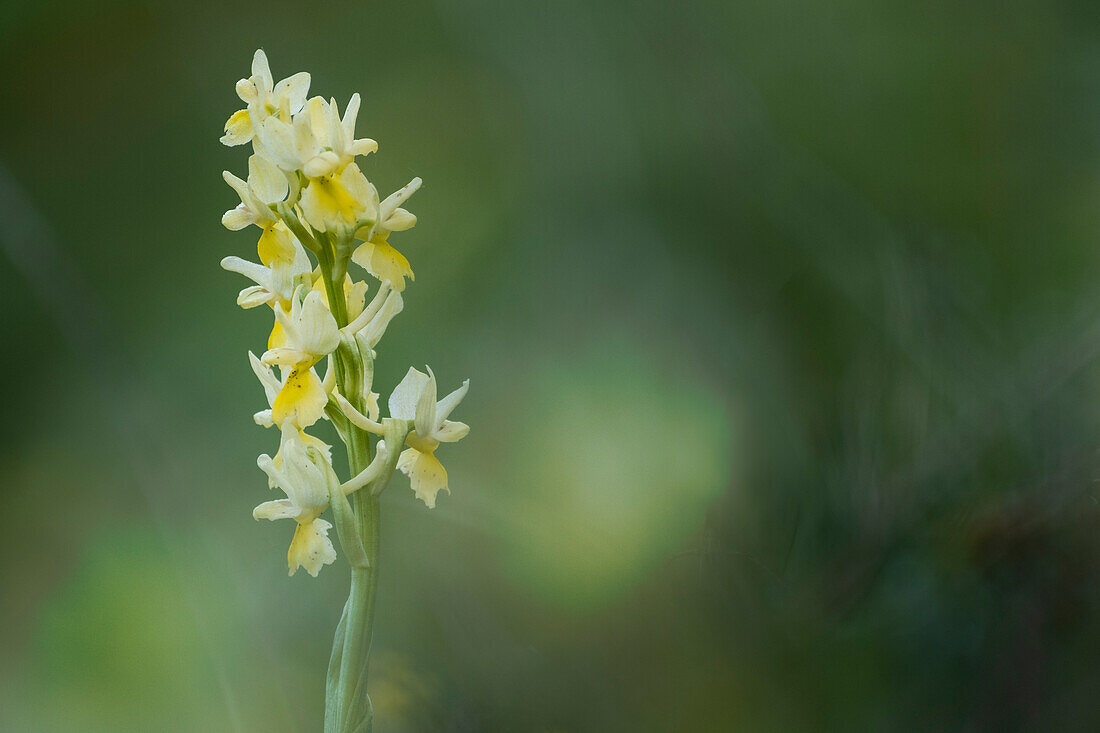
332,196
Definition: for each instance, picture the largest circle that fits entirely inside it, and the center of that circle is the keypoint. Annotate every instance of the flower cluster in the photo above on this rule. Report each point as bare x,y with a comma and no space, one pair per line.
317,212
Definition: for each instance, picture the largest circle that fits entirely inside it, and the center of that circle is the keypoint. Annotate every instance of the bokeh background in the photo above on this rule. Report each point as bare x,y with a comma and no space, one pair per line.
781,320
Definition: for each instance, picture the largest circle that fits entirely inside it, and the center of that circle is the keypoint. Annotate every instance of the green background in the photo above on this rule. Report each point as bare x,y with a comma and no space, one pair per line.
781,321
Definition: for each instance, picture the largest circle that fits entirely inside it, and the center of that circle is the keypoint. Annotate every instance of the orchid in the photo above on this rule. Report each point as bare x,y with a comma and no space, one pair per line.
318,213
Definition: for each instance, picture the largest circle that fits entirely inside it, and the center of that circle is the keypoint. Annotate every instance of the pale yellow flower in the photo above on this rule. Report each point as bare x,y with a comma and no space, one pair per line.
278,276
341,201
266,185
415,399
299,397
376,255
264,99
306,477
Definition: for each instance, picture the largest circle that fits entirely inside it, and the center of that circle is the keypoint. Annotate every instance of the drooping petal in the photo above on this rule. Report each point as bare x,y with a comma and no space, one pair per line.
275,244
238,129
426,474
311,548
301,400
379,258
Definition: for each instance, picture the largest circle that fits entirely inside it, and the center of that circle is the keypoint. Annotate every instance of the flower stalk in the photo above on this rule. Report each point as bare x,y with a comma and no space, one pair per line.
318,214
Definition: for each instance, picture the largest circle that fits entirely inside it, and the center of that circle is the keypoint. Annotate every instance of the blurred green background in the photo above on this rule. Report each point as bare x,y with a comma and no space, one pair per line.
781,320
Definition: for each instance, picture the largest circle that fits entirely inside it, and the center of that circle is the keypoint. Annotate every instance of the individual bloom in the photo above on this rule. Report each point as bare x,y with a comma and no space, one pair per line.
299,397
415,399
376,255
263,100
309,332
304,476
335,136
266,185
277,276
340,201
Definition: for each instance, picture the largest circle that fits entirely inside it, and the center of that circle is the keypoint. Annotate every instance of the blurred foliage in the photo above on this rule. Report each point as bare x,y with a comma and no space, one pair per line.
782,330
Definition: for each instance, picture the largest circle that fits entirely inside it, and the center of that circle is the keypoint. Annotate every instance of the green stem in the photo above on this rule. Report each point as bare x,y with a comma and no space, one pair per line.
347,706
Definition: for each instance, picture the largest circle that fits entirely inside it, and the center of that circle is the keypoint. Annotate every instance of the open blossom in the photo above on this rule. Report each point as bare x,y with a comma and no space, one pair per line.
340,201
309,332
302,404
264,99
275,279
376,255
305,476
415,399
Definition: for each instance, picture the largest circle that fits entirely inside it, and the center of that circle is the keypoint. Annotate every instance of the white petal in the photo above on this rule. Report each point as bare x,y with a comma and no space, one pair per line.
398,197
261,70
280,142
255,295
246,90
350,113
279,509
257,273
425,407
451,431
316,327
363,146
238,185
294,88
267,377
321,165
266,181
400,220
405,395
285,356
236,219
450,402
376,328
